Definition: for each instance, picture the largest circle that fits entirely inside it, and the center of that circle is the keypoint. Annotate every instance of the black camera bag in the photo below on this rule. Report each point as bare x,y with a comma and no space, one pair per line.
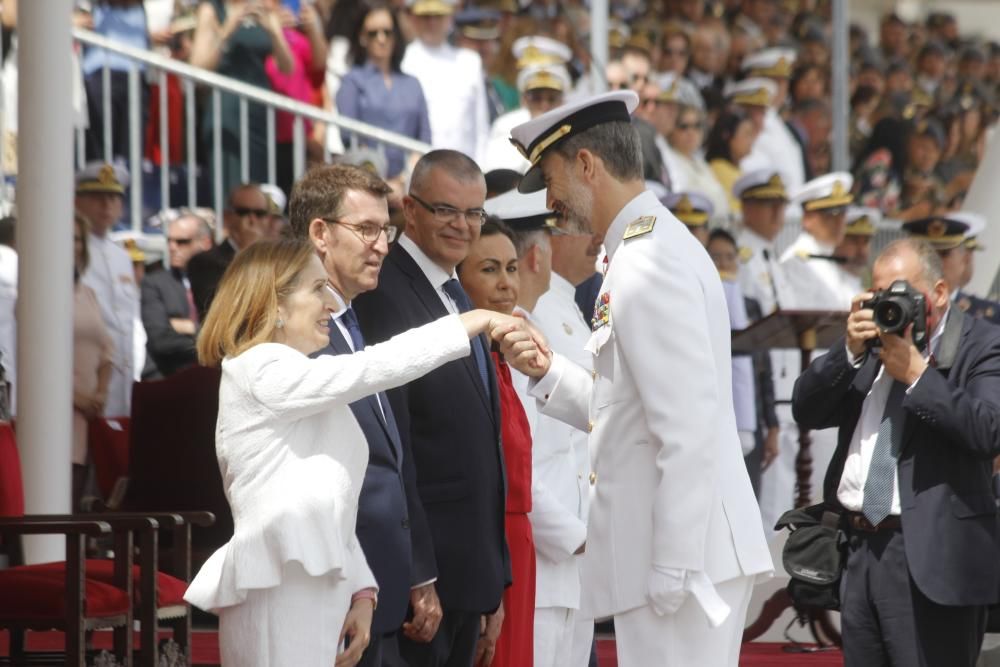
814,556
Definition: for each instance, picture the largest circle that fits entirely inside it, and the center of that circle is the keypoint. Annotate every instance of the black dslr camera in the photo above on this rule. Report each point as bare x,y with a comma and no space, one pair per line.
895,309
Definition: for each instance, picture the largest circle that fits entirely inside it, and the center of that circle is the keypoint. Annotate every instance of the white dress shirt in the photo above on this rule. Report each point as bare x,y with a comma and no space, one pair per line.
851,492
434,273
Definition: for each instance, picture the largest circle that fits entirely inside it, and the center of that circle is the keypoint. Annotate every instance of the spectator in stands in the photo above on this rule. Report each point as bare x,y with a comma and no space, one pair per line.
234,39
729,141
479,31
694,173
93,355
100,190
811,122
376,91
247,219
879,169
489,274
169,314
894,38
307,47
676,51
293,580
809,82
451,78
123,21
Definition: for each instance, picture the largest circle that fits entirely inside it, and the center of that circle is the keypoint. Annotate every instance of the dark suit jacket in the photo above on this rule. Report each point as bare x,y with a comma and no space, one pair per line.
205,271
982,309
164,298
383,519
451,447
950,435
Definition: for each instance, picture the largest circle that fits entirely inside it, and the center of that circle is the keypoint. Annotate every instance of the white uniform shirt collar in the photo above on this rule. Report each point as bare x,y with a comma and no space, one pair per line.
561,286
808,242
434,273
755,241
641,204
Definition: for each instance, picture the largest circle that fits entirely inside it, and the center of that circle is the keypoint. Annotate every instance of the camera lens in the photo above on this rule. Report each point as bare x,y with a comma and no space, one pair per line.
890,314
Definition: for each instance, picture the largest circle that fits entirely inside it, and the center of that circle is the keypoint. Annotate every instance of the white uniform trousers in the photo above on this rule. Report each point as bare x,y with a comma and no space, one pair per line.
554,627
684,638
583,640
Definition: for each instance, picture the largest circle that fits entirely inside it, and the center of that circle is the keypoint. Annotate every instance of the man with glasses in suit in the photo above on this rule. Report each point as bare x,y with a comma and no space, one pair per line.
448,420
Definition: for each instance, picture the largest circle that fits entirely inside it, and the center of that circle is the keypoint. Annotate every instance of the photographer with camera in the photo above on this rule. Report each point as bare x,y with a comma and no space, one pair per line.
915,390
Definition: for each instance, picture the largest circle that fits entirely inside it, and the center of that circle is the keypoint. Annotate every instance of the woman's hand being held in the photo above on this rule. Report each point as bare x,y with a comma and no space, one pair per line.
358,627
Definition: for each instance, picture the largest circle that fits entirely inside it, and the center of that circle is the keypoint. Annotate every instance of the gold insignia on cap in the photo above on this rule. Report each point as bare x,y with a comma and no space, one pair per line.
684,205
106,176
643,225
543,80
838,189
937,229
553,136
745,254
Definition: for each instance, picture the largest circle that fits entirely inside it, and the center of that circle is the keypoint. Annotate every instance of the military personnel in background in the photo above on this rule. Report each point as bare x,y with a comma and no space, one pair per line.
100,196
694,210
542,87
854,252
762,198
809,262
479,31
954,238
755,96
775,147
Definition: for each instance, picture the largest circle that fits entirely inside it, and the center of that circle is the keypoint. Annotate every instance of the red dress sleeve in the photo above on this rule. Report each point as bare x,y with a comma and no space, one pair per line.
516,438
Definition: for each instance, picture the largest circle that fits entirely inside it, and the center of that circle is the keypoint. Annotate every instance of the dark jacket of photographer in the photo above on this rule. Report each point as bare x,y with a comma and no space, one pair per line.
951,434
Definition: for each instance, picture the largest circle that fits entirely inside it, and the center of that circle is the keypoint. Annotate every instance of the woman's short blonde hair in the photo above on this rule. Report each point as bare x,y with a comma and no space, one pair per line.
244,311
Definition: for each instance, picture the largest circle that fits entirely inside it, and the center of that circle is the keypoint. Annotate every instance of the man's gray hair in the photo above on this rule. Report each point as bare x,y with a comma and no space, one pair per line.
525,240
616,143
930,261
204,228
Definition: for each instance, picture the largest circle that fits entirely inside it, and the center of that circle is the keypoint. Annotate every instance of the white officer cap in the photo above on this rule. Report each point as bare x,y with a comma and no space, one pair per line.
522,212
826,192
976,223
431,7
862,220
760,184
539,50
754,92
538,77
540,134
692,208
275,197
101,177
775,62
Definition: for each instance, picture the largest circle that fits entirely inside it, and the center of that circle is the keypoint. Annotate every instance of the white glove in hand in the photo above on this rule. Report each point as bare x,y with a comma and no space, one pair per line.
666,589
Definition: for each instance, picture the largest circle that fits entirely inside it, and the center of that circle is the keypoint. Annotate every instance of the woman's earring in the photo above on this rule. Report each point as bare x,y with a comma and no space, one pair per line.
280,323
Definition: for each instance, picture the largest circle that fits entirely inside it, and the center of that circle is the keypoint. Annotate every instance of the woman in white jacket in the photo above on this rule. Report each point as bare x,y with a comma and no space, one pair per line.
293,583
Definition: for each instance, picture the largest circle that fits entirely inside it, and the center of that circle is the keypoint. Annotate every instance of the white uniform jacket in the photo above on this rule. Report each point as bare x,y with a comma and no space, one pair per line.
776,148
112,278
455,90
669,485
818,282
560,461
500,153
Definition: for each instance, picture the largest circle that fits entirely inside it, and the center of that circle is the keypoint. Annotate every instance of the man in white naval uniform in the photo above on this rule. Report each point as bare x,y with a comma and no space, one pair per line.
100,190
856,249
452,80
809,263
775,147
542,88
560,468
674,539
763,201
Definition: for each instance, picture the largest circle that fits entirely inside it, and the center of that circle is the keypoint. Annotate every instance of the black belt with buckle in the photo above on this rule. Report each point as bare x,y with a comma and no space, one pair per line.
857,521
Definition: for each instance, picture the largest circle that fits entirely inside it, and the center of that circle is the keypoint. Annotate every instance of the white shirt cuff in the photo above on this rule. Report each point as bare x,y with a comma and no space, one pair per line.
425,583
543,387
855,362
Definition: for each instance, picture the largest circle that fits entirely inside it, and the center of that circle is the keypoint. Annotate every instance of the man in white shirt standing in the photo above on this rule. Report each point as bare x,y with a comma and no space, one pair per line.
100,195
452,80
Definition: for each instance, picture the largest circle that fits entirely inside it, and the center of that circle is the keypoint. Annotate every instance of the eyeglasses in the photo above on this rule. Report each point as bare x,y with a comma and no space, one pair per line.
368,231
255,212
448,214
180,241
385,32
689,126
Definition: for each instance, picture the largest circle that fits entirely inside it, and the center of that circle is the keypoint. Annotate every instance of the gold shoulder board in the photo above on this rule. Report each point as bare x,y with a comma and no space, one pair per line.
643,225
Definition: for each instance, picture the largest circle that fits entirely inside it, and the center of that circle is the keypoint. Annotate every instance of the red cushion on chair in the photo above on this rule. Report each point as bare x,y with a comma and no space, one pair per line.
107,439
11,488
170,589
40,597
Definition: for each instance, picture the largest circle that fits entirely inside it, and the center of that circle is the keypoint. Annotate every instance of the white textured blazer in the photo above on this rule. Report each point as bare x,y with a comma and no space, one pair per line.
293,457
669,485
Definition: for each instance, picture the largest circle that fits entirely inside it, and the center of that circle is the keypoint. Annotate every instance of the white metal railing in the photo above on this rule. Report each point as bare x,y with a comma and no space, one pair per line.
160,66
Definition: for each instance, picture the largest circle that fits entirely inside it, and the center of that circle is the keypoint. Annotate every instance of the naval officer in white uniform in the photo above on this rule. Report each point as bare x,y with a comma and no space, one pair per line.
100,190
560,462
674,538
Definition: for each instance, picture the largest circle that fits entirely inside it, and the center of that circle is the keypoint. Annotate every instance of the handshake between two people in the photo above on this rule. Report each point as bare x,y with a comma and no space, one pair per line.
523,346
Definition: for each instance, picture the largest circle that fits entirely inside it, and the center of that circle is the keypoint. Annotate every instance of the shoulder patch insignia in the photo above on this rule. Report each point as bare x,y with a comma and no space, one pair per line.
802,254
643,225
746,254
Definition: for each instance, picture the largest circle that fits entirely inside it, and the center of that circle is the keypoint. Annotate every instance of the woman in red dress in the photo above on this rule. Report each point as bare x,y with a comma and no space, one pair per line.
489,276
